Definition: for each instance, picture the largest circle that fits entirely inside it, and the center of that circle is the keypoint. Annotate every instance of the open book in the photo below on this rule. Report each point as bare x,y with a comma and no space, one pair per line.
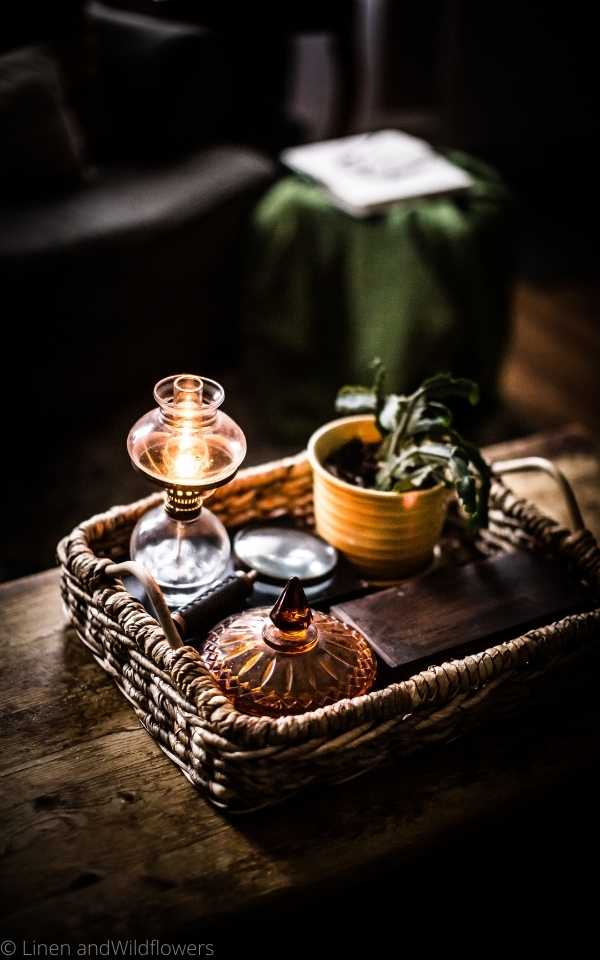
365,174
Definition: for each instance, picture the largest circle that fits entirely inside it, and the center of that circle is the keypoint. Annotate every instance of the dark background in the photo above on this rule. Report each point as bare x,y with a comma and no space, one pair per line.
93,317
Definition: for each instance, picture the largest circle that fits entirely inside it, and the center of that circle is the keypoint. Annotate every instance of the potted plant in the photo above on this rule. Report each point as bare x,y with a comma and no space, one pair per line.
385,473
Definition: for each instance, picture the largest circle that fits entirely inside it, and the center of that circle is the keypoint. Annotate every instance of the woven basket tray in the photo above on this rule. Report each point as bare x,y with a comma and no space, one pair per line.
241,762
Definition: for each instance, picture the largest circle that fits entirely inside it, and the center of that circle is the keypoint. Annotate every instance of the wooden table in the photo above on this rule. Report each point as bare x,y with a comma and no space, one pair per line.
101,836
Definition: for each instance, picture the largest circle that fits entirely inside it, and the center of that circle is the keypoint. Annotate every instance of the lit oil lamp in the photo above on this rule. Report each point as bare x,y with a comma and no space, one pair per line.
189,447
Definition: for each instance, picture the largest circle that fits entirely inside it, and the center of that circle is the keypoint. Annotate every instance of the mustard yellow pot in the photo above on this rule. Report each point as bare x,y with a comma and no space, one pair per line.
386,535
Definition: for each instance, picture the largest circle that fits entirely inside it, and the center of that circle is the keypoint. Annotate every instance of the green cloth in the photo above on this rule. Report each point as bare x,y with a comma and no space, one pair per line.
424,286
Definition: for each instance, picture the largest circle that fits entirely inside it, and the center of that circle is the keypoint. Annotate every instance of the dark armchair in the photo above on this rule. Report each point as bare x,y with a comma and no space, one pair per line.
137,269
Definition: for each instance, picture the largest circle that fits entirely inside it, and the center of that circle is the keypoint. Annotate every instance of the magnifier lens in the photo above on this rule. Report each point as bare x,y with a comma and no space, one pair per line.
278,553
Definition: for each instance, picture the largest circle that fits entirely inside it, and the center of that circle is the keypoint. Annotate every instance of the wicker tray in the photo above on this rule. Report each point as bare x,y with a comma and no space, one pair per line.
242,763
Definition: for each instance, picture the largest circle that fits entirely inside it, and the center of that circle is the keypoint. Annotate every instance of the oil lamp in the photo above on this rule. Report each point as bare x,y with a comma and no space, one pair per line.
189,447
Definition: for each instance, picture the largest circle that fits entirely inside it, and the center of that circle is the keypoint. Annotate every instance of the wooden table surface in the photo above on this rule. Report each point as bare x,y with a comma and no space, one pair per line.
101,835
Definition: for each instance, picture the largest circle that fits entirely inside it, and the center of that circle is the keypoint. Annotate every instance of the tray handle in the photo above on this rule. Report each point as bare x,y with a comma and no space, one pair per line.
219,600
155,595
541,464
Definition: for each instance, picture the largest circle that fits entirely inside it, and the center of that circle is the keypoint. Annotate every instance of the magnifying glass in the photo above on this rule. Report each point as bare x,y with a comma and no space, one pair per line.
277,553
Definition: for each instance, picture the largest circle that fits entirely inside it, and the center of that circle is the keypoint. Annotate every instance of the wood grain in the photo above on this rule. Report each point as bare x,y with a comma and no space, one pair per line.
100,835
460,609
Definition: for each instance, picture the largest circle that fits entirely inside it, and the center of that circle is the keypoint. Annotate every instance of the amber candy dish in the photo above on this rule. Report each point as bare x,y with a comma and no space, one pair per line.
288,660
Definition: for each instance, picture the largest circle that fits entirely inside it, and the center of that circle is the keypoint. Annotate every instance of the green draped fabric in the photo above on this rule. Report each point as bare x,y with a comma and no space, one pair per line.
424,286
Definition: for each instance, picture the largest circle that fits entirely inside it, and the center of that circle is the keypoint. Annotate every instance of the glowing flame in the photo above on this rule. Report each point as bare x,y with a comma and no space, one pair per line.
185,465
186,458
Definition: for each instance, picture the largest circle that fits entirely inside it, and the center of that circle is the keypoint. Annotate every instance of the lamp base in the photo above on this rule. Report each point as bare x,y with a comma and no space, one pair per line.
183,557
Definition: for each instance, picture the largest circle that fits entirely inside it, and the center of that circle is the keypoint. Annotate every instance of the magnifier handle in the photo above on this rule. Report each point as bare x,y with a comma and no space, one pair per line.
223,598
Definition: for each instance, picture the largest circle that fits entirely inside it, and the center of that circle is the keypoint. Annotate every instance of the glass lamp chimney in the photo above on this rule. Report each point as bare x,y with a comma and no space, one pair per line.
189,447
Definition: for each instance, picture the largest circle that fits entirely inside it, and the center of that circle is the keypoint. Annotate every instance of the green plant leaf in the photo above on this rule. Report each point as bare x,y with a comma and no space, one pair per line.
403,486
378,385
420,445
423,475
393,407
467,493
438,451
437,409
355,399
433,428
445,385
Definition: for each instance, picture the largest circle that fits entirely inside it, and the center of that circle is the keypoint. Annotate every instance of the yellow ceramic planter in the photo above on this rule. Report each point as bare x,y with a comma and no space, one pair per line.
386,535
